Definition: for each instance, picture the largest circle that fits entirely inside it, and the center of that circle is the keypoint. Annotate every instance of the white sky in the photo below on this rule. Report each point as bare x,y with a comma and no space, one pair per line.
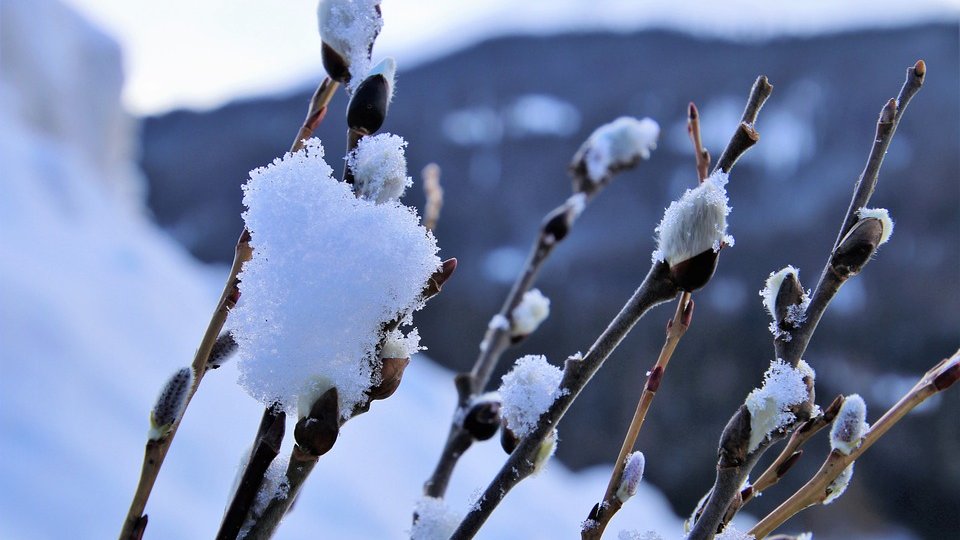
201,53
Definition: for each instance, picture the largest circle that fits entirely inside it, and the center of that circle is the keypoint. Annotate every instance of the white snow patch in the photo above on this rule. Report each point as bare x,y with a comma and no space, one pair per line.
528,390
379,167
400,345
533,309
617,144
695,223
769,405
435,520
350,27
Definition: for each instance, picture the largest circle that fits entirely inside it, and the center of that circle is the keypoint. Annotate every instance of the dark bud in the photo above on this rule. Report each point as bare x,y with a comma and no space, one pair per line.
831,411
735,439
857,247
337,66
557,223
436,281
222,350
788,463
789,295
368,106
508,439
695,272
483,419
391,372
947,377
317,432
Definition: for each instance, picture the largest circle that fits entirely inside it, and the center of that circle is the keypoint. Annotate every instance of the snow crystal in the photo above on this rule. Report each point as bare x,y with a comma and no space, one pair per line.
839,484
398,345
630,479
528,390
170,403
350,27
849,425
695,223
380,168
618,144
884,216
731,533
498,322
435,520
769,405
527,316
328,269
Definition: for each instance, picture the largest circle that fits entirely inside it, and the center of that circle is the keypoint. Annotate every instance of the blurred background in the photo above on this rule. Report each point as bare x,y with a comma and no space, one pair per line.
128,130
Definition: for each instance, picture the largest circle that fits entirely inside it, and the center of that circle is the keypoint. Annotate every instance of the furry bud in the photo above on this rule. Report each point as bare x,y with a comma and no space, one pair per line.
170,404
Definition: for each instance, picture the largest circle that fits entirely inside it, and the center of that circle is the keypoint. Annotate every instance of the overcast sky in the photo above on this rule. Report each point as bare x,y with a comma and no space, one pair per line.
199,54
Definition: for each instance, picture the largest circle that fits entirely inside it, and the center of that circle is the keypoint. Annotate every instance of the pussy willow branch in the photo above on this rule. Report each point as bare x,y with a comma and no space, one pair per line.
156,450
495,342
611,504
655,289
745,136
937,379
731,469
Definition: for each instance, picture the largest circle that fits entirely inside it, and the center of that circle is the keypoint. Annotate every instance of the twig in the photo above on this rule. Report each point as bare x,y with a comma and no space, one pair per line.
745,136
693,129
434,195
937,379
156,450
676,328
655,289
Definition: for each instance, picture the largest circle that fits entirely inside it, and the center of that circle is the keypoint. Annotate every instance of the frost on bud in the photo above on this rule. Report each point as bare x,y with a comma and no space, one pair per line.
558,222
630,479
433,520
856,248
528,390
348,29
693,230
169,406
527,316
612,147
881,214
379,168
771,406
482,418
839,484
544,452
222,350
368,107
849,425
317,432
786,302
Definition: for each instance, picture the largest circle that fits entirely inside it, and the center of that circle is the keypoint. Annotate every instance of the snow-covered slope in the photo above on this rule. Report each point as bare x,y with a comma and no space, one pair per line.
97,307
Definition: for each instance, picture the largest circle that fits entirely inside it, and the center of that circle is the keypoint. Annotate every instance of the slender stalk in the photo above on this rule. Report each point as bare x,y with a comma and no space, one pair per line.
937,379
655,289
676,328
745,136
693,129
156,451
300,467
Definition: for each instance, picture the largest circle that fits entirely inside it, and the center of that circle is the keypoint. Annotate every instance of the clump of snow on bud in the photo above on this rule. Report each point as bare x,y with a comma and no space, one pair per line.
328,270
398,345
769,405
435,520
849,425
637,535
528,390
630,479
170,403
695,223
884,216
839,484
796,313
533,309
379,168
350,27
731,533
577,203
546,450
619,144
498,322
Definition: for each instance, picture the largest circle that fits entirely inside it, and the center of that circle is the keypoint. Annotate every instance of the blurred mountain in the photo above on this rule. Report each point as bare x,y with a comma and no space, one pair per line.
502,119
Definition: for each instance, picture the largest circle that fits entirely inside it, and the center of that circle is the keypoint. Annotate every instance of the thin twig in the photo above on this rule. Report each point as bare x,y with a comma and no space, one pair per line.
693,129
676,328
434,195
655,289
745,136
937,379
316,111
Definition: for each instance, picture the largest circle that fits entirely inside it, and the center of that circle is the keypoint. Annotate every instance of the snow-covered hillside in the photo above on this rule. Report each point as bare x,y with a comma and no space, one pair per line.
97,307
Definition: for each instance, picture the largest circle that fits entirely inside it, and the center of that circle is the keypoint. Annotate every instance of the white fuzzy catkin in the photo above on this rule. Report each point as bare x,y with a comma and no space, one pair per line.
528,390
435,520
884,216
350,27
328,269
850,425
379,168
169,405
839,484
546,450
695,223
769,405
533,309
796,313
632,474
618,144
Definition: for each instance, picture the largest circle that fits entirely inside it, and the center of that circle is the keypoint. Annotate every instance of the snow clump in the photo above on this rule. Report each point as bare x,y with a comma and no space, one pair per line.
695,223
533,309
796,313
350,27
620,143
849,425
884,216
435,520
379,168
528,390
769,405
731,533
328,270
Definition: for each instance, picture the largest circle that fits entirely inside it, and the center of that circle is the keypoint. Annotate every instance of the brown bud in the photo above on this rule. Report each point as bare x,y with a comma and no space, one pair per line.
391,372
856,248
557,223
317,432
508,439
831,411
946,378
436,281
789,295
696,271
336,65
483,419
788,464
368,106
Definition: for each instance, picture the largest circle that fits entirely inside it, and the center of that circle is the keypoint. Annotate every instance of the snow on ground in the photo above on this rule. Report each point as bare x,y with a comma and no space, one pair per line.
98,307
